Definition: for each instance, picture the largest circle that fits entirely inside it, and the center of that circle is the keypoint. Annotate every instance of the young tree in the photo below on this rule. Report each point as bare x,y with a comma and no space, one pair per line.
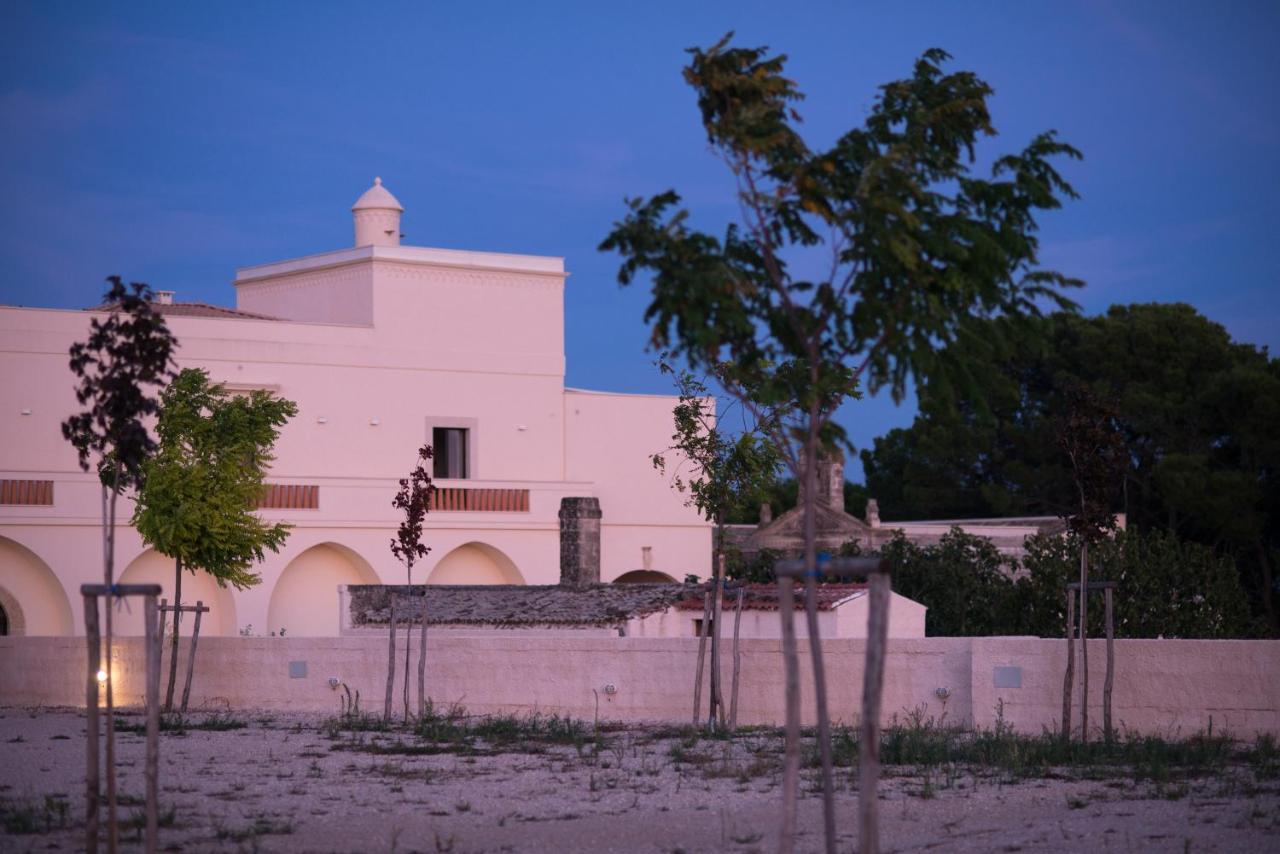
909,246
729,474
199,492
1090,438
126,353
414,501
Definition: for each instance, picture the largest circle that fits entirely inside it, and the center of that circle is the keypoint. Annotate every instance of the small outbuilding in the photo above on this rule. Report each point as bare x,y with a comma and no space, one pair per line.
624,610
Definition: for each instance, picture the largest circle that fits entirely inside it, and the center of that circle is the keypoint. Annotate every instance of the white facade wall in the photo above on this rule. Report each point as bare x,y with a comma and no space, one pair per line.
379,344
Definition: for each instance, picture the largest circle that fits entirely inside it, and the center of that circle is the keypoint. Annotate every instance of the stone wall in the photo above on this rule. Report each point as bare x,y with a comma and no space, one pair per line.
1166,687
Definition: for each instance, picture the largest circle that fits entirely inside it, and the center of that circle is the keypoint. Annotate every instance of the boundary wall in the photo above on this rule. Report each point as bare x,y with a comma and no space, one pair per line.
1165,687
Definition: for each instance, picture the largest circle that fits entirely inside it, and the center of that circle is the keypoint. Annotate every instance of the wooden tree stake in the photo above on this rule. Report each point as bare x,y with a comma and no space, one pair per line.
791,751
869,741
91,724
737,663
1111,666
155,641
1068,680
702,652
191,654
422,657
391,655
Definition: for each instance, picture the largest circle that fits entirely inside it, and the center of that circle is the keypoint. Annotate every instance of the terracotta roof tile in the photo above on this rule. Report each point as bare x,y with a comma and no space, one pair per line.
195,309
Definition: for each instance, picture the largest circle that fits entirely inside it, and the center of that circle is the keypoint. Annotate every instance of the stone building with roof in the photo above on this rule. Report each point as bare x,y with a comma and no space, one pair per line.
835,527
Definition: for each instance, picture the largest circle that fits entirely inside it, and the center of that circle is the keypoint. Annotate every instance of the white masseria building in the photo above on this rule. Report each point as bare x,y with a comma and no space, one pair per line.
383,347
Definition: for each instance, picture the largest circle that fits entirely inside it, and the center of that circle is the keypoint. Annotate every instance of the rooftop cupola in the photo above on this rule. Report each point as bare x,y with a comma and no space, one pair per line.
377,217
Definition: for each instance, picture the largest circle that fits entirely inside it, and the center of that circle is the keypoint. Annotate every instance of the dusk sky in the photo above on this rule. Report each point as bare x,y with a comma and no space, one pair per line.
171,143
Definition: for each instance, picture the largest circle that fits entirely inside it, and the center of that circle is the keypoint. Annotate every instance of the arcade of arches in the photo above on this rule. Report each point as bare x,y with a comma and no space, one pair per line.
475,563
304,601
31,598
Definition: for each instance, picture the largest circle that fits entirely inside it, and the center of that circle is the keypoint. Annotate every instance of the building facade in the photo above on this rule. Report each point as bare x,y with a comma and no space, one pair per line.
383,347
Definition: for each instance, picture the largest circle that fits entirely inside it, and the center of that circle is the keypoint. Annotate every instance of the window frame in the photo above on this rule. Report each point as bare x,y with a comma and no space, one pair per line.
472,426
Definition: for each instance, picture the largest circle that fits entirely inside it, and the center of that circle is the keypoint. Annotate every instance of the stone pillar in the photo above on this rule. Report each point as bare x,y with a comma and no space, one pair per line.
830,480
580,541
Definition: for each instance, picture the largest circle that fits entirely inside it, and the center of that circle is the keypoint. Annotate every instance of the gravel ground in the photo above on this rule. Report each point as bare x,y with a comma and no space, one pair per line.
291,783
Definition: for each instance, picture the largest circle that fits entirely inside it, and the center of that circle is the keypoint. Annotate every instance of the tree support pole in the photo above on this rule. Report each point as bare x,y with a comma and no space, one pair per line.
737,663
1068,680
155,642
1111,666
702,652
391,656
91,724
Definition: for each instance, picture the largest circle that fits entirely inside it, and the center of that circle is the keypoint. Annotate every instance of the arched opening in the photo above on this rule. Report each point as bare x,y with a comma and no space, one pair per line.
151,567
475,563
644,576
304,602
33,601
4,621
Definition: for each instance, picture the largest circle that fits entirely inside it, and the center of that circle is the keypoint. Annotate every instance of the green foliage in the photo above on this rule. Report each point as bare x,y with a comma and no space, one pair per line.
961,580
1196,410
1165,587
912,243
125,353
200,489
414,501
730,474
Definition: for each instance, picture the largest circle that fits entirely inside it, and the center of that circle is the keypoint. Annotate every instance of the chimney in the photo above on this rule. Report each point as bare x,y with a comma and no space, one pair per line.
164,297
873,513
579,541
766,514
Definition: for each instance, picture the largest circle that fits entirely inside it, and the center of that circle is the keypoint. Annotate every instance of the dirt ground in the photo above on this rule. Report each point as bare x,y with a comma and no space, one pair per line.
294,783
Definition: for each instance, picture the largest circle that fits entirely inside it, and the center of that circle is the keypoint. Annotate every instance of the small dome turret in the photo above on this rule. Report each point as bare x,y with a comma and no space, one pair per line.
376,216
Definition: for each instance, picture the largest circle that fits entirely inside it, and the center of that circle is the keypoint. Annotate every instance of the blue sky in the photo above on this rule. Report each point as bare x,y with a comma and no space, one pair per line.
171,143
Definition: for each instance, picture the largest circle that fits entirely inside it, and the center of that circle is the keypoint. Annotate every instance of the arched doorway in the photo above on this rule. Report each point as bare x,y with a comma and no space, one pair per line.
475,563
151,567
33,600
644,576
304,602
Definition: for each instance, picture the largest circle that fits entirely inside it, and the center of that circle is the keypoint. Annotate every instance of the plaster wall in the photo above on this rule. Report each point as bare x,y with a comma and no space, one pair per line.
1162,687
849,620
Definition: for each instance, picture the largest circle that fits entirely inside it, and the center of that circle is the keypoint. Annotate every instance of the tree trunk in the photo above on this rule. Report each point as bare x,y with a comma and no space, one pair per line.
810,474
1084,642
1268,599
391,656
791,753
1068,681
173,651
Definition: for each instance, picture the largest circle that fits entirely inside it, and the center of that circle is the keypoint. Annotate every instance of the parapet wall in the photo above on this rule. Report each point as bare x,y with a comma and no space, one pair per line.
1161,686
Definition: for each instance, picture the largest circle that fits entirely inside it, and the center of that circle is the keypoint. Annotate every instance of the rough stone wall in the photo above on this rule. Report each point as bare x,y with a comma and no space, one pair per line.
580,541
